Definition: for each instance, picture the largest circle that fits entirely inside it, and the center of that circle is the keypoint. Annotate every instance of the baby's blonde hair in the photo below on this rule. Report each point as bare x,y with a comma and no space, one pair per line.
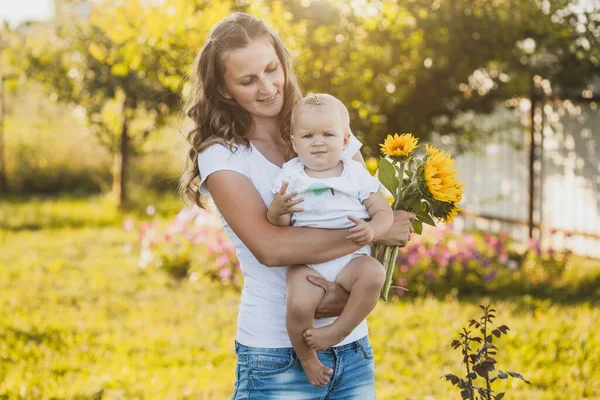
313,100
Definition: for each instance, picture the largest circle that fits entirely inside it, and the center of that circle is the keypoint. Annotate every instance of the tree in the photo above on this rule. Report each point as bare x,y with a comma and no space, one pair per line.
418,65
125,67
8,38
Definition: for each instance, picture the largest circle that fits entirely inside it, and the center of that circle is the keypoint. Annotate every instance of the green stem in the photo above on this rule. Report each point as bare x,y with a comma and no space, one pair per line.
399,188
389,259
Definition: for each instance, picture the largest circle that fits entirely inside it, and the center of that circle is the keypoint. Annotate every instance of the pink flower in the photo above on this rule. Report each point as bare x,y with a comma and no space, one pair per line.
225,273
412,259
222,260
145,227
128,224
186,214
534,244
198,238
150,210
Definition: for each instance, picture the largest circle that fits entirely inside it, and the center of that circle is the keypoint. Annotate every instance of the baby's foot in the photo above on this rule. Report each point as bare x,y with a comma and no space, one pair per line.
320,339
317,373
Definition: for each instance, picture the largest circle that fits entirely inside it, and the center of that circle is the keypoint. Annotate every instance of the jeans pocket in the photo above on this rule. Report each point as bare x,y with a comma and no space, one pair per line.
270,364
366,351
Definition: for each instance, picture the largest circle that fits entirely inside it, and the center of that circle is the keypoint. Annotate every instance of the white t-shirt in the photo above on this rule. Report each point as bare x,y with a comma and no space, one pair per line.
261,316
328,201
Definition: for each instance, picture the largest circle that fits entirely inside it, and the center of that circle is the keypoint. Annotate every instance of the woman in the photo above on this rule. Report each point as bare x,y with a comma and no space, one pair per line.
244,89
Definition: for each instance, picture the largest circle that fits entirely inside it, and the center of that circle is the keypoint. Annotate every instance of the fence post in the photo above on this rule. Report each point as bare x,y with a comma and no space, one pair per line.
531,159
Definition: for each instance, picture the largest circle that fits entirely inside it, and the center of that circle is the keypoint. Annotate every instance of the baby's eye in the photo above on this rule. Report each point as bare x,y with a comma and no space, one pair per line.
327,134
307,136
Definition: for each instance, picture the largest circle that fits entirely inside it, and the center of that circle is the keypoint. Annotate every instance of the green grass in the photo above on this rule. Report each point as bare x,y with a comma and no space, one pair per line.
62,211
78,321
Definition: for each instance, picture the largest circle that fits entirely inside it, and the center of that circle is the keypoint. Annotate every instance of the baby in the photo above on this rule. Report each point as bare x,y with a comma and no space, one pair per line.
336,192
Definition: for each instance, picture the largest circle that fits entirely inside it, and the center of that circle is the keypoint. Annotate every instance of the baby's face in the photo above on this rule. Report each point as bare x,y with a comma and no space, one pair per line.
319,137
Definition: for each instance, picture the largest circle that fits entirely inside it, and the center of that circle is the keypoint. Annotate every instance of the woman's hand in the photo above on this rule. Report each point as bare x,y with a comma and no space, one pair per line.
401,230
333,302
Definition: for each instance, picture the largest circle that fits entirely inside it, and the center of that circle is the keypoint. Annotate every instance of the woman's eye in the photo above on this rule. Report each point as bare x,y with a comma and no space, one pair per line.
273,68
246,83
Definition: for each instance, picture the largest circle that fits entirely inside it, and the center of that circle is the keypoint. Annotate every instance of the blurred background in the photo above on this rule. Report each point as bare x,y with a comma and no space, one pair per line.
112,289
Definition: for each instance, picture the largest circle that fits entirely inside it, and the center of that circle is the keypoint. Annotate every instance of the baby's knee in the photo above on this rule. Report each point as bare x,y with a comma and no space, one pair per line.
373,273
300,306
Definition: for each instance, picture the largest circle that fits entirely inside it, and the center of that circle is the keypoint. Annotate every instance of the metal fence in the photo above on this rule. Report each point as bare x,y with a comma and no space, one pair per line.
566,179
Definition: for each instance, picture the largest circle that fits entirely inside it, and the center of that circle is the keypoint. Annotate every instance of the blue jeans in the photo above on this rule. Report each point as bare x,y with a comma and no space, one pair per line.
270,374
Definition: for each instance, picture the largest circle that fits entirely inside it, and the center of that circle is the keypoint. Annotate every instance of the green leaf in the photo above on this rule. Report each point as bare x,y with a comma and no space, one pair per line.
425,218
399,287
416,204
499,396
387,176
519,376
418,226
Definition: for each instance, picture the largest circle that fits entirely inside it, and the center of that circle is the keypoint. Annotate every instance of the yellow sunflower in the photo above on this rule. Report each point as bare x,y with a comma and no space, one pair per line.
440,177
401,146
453,213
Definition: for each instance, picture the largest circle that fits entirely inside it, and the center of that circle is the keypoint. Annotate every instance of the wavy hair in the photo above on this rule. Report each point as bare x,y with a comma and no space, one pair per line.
222,120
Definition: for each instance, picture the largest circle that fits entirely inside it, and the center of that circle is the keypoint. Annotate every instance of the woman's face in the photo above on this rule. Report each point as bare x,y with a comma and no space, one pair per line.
254,77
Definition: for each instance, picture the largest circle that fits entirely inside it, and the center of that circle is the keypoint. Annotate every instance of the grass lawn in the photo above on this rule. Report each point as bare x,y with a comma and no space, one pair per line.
78,321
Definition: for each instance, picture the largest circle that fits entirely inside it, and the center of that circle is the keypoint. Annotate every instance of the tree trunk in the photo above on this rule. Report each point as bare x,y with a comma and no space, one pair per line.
3,184
121,160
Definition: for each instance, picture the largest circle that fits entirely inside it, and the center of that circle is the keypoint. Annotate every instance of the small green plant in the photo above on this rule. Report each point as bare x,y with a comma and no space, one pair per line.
480,363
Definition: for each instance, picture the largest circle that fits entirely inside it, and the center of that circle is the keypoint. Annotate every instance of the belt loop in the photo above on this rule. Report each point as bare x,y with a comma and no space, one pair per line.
356,346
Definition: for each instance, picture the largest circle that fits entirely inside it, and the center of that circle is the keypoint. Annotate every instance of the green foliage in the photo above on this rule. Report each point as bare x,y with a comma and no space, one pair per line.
55,152
480,363
415,66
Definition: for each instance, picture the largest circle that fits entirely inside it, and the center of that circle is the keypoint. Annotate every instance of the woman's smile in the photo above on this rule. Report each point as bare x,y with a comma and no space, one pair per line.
269,100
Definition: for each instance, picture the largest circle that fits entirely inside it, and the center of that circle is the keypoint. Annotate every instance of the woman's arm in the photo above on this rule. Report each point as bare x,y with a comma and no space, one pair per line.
246,213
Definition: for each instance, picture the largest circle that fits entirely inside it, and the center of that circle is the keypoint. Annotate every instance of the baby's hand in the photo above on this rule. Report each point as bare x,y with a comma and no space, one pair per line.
283,204
362,234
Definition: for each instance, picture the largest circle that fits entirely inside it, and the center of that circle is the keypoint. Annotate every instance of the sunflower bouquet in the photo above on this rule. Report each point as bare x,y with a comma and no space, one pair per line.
427,187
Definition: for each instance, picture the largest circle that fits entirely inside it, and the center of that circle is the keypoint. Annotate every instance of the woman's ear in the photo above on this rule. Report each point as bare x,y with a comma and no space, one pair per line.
223,92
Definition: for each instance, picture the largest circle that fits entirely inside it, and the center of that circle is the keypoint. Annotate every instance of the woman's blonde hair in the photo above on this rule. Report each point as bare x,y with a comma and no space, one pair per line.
216,118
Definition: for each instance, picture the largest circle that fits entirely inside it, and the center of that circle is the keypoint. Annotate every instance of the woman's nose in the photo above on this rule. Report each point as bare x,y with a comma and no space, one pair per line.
266,86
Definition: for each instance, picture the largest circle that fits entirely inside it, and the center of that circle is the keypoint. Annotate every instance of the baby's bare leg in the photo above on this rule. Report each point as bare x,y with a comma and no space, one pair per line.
302,299
363,277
